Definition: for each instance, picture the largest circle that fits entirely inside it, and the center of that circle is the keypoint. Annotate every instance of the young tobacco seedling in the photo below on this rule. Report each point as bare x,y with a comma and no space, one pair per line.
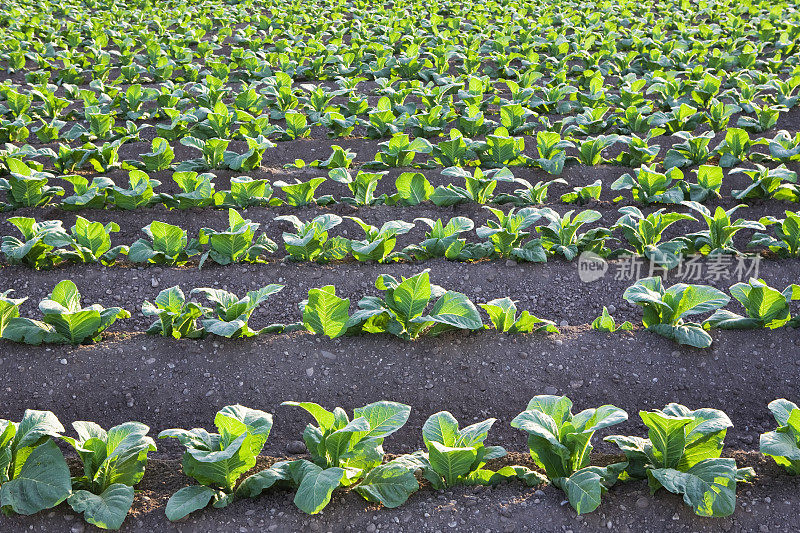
506,234
177,318
605,322
27,187
139,192
583,194
401,310
87,196
9,308
479,187
344,453
399,151
560,236
643,233
91,242
65,321
442,240
458,456
324,313
379,242
718,238
217,460
168,245
650,186
503,315
682,455
362,186
236,244
783,444
560,443
246,192
735,148
40,248
33,474
766,307
665,310
160,157
113,462
198,191
413,188
778,183
786,242
230,315
310,241
301,193
550,148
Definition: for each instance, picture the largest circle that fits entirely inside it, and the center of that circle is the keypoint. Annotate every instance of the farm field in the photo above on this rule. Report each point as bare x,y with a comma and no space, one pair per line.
535,266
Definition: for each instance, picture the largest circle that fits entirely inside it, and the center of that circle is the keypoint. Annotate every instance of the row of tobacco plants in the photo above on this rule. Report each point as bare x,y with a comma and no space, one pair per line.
407,308
681,454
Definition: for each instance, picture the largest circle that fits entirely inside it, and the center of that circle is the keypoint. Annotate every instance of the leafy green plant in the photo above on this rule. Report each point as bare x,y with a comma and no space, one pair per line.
310,241
231,314
605,322
692,151
246,192
362,186
783,444
91,242
113,462
682,455
778,183
33,474
413,188
139,192
479,187
198,190
27,187
583,194
40,247
560,443
506,234
503,315
459,456
551,150
379,242
9,308
301,193
87,196
64,321
442,240
649,186
324,313
765,307
666,310
401,309
344,453
735,148
644,234
399,151
786,242
217,460
236,244
177,318
709,182
167,245
160,157
718,238
560,236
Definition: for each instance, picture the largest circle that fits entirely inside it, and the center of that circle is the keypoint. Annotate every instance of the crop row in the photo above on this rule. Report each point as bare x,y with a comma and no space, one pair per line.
682,454
400,310
27,187
47,244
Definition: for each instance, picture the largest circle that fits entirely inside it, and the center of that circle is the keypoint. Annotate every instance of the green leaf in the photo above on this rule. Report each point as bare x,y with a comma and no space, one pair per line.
709,487
451,462
188,500
390,484
325,313
106,510
316,488
41,482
